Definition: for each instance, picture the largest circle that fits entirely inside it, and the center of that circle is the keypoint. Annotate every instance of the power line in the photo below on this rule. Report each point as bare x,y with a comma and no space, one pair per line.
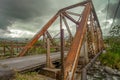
115,14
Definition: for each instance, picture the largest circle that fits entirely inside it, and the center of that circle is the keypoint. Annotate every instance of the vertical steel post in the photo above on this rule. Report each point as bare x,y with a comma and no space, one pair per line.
62,53
48,54
4,50
86,50
68,29
98,43
17,47
62,48
44,41
12,49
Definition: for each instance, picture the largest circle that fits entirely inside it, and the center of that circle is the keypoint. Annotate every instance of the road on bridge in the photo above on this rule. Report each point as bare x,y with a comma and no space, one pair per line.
20,64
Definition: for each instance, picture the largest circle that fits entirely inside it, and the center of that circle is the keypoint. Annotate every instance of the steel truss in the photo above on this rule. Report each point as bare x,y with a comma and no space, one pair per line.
86,42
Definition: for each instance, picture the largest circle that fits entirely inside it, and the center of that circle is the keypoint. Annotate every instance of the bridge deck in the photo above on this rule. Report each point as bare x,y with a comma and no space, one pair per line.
28,62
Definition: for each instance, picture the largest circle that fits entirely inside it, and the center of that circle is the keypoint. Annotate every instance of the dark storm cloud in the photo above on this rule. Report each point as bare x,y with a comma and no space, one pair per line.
12,10
4,22
112,9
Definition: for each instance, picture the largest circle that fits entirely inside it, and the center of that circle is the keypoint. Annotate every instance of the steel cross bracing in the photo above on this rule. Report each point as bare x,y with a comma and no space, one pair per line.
86,42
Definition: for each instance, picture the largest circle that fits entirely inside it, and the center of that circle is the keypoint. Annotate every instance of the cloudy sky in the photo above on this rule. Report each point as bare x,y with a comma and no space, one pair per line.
23,18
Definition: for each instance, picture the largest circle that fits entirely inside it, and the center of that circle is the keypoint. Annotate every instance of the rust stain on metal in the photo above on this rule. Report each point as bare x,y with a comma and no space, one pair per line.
96,41
73,54
38,35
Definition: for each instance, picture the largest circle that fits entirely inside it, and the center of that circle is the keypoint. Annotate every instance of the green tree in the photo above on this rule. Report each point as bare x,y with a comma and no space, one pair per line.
114,39
115,31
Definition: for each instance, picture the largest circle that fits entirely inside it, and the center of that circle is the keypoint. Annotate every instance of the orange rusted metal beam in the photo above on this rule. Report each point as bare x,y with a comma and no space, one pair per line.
74,52
71,61
96,18
70,18
38,35
44,29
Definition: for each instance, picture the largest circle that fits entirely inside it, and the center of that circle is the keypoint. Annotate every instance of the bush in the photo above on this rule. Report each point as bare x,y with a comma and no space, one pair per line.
112,57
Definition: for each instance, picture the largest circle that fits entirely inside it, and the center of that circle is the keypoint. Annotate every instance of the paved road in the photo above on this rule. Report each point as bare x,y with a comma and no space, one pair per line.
28,62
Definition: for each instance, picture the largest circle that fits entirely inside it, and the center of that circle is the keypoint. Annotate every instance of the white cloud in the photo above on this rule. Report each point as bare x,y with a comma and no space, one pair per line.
15,33
21,28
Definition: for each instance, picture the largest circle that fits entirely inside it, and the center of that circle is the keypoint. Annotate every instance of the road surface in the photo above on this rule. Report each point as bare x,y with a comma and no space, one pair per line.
28,62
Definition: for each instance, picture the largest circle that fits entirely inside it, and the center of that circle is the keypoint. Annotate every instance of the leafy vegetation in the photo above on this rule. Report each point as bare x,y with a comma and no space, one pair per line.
112,57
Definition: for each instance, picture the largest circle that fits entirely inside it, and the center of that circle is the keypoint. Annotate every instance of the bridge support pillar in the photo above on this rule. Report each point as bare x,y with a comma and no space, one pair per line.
48,60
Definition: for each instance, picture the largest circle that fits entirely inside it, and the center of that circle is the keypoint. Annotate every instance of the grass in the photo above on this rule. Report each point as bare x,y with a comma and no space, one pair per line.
29,76
111,59
112,56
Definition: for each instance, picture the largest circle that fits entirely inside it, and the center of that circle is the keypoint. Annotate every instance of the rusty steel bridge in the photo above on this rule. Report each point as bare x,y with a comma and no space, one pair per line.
85,44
